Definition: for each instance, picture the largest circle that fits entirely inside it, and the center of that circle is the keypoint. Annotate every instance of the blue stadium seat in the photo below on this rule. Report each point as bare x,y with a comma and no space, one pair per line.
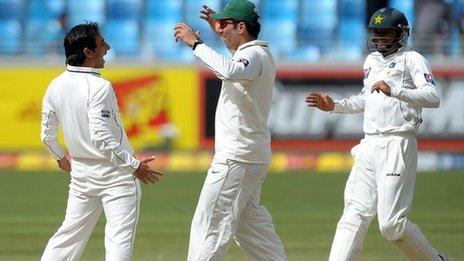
352,9
352,38
315,12
43,36
159,36
124,9
10,37
318,22
123,36
305,54
156,10
280,34
405,6
86,10
280,10
192,8
11,9
45,10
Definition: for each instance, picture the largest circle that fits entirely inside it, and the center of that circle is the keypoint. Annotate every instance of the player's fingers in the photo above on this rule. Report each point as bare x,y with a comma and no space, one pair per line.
311,96
152,158
150,177
154,177
207,8
159,173
142,180
311,102
312,99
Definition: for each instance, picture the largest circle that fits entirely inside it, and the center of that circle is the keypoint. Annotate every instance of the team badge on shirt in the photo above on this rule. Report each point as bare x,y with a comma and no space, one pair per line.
429,78
366,72
105,113
244,61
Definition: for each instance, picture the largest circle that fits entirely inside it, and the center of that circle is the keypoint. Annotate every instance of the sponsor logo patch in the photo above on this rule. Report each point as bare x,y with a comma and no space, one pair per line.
244,61
366,72
392,65
393,174
105,113
429,78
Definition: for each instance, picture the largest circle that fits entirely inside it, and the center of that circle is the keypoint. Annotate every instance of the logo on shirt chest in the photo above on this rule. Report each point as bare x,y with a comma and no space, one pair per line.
105,113
244,61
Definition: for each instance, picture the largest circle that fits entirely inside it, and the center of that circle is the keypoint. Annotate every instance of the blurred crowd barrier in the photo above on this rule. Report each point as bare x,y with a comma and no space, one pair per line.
199,161
170,111
298,30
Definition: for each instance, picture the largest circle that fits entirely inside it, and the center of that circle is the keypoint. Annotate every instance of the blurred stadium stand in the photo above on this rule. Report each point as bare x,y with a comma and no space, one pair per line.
298,30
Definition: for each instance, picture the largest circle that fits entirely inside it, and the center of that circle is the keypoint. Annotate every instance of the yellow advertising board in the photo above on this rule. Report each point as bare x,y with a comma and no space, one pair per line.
159,106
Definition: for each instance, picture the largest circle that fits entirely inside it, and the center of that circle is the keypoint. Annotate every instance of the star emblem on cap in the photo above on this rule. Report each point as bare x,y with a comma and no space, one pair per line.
378,19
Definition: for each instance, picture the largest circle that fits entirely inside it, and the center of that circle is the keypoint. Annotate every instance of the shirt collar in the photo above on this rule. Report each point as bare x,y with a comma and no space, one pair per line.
251,43
79,69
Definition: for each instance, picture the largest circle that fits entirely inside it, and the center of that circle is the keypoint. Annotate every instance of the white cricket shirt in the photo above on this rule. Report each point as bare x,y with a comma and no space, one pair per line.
412,88
85,105
241,131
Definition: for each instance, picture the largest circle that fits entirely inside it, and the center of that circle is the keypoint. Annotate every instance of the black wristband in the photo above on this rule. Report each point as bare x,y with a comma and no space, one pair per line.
197,42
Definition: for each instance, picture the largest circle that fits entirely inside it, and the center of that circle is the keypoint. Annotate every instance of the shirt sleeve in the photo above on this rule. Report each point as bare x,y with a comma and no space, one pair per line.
102,114
245,68
426,94
49,129
351,105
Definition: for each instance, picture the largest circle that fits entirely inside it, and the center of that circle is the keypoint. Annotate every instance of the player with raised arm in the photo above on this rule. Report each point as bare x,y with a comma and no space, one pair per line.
104,172
398,83
229,204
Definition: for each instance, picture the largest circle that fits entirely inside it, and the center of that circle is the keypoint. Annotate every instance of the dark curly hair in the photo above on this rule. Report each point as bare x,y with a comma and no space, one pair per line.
78,38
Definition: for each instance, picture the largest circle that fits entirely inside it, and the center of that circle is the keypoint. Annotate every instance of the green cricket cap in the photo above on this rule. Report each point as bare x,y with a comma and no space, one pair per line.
238,10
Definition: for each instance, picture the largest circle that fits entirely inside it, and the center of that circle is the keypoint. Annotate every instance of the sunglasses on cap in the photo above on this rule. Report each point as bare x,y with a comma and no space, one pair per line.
223,23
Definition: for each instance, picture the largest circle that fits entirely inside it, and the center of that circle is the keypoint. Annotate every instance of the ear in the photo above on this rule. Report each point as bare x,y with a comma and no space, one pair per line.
88,52
241,28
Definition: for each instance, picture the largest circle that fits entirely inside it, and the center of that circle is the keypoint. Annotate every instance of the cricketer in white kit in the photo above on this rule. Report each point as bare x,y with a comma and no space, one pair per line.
398,83
229,204
104,172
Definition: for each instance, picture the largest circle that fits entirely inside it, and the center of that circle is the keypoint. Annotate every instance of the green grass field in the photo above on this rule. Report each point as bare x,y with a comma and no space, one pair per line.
305,208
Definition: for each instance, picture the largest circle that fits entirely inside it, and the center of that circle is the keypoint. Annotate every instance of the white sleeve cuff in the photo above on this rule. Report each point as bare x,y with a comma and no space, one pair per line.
394,91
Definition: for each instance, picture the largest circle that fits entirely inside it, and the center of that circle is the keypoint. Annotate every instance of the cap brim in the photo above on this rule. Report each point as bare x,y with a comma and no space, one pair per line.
220,16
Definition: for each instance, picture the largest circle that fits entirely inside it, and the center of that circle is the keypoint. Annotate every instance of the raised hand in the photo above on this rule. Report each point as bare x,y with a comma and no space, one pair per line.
145,173
205,14
183,32
321,101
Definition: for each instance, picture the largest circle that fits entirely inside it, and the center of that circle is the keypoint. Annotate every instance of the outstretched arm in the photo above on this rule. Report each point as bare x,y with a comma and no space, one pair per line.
353,104
321,101
245,69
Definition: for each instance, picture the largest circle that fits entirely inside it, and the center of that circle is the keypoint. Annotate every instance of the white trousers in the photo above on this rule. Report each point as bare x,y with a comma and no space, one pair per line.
381,182
229,207
121,206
